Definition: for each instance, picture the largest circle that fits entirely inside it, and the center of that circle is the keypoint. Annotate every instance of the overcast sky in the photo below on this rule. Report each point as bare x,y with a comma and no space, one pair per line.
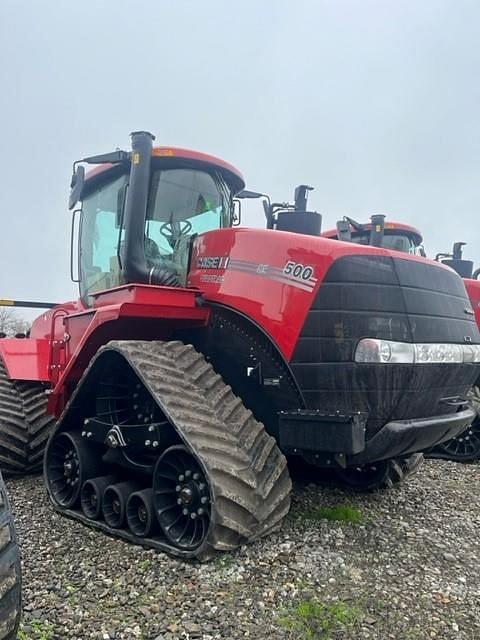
374,102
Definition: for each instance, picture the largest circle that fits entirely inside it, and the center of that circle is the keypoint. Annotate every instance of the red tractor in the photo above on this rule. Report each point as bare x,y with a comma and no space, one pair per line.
200,355
401,237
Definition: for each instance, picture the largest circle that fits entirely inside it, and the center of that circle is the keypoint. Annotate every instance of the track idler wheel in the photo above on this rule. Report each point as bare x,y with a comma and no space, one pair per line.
92,494
141,517
181,498
114,503
69,462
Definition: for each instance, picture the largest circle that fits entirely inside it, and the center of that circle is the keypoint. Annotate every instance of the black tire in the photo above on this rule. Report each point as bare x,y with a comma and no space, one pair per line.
24,425
384,474
466,446
10,574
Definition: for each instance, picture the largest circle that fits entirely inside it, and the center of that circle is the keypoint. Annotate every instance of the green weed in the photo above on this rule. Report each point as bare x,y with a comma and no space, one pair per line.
314,620
40,631
338,513
144,565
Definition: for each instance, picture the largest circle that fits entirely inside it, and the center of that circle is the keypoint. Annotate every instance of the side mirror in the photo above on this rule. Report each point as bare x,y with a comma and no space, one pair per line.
76,186
237,212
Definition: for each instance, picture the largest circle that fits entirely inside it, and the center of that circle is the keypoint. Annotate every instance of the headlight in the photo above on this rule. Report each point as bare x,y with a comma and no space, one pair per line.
390,352
471,353
372,350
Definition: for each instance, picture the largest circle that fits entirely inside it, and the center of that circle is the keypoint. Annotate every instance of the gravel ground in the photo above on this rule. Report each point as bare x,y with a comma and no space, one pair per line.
408,570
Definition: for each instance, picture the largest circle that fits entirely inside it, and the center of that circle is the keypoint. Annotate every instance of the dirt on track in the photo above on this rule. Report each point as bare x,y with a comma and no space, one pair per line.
401,565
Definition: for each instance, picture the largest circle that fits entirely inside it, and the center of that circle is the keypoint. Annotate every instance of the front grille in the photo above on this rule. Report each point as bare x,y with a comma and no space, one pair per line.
390,298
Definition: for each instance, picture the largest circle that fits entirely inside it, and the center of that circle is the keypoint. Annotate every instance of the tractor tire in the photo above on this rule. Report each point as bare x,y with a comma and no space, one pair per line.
222,483
24,425
10,574
466,446
376,476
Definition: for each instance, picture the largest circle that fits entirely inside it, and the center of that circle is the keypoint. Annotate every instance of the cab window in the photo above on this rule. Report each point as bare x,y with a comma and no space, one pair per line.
99,239
397,242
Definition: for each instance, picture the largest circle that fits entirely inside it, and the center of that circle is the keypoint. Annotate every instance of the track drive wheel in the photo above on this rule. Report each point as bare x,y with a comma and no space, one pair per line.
69,462
181,498
466,446
383,474
24,425
10,576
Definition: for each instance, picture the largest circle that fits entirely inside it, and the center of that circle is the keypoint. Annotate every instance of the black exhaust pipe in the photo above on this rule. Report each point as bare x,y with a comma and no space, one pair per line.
134,265
141,517
301,197
92,494
455,261
114,502
378,229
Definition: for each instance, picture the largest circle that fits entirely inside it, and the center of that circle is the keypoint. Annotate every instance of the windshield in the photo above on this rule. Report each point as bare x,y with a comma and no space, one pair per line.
397,242
183,202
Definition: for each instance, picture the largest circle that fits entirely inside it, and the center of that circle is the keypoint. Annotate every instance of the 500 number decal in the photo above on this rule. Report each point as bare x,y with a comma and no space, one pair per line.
298,270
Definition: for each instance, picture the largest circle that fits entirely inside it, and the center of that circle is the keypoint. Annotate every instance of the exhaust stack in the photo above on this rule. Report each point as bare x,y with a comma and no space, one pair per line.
378,230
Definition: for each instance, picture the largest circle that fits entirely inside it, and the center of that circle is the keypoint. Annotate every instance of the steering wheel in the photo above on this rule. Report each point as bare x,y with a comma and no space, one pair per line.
173,230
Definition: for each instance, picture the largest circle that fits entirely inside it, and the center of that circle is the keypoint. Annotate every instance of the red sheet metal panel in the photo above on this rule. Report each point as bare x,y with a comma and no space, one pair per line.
26,359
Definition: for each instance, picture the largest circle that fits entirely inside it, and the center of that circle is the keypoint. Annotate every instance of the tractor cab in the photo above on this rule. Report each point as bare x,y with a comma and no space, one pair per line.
380,233
140,211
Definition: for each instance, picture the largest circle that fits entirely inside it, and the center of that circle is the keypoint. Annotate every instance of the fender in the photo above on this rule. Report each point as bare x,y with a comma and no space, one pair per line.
128,312
26,358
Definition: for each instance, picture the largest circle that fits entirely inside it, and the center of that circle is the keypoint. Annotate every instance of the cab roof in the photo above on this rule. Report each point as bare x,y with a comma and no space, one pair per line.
232,175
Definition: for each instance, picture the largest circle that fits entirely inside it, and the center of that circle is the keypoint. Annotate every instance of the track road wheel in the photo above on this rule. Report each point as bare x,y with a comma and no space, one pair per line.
69,462
141,517
466,446
24,425
181,498
10,577
379,475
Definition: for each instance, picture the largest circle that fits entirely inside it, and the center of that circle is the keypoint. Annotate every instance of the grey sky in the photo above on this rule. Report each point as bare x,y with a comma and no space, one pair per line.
375,103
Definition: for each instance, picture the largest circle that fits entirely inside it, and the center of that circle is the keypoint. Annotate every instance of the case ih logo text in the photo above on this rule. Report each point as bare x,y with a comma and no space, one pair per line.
212,262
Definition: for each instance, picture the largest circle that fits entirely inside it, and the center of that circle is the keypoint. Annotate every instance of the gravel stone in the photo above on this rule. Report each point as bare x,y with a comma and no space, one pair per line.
410,567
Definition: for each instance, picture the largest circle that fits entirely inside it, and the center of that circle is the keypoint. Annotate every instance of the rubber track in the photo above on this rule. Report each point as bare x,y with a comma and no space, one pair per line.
248,476
10,576
24,425
400,468
397,470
